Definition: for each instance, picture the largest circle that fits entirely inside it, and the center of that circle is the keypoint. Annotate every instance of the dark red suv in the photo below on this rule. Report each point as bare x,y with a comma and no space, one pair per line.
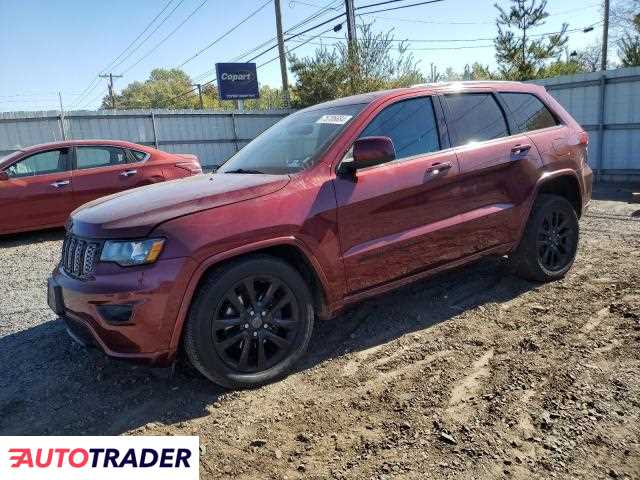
334,204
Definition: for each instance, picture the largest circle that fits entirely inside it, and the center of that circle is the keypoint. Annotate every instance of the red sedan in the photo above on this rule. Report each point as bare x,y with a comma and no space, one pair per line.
41,185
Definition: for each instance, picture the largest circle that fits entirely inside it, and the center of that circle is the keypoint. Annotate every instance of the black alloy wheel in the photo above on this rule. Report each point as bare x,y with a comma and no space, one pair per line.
250,321
549,243
255,323
556,247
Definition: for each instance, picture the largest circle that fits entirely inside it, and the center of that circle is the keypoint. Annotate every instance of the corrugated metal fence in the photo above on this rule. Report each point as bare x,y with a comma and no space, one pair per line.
607,105
212,135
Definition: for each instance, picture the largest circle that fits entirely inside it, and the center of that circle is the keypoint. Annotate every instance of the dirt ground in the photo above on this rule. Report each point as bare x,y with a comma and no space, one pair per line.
473,374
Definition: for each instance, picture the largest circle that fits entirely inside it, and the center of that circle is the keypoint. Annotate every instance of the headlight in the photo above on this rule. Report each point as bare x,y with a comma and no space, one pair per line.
135,252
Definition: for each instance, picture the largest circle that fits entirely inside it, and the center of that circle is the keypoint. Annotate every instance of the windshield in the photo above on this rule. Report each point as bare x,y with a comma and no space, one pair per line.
293,143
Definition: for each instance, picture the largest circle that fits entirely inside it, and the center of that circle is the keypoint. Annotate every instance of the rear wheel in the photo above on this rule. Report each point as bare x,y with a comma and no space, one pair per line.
550,241
249,323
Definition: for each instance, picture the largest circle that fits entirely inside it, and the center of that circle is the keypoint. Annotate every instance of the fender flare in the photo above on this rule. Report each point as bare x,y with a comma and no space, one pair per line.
216,259
543,179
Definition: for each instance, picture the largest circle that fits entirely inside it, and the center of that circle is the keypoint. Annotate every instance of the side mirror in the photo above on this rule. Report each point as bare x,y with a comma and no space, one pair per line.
4,175
367,152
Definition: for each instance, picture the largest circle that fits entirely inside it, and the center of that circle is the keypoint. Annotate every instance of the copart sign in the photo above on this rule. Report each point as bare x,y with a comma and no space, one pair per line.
237,81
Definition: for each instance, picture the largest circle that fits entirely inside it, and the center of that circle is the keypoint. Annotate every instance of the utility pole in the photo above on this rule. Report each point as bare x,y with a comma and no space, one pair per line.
199,86
111,76
351,21
283,59
605,35
64,136
352,39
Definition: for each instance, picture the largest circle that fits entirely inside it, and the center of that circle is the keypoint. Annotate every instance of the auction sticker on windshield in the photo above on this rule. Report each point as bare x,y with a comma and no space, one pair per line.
98,458
334,119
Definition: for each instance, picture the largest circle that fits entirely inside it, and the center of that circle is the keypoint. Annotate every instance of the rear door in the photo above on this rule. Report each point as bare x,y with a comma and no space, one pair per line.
102,170
398,218
532,117
498,168
38,193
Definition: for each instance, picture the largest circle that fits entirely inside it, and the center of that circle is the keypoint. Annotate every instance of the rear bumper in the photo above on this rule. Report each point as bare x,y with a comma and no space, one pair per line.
585,177
154,294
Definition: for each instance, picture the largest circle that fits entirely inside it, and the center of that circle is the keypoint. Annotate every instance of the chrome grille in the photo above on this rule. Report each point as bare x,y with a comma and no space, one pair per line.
79,256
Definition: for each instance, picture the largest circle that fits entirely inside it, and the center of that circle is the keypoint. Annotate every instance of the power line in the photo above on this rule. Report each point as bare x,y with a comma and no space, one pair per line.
322,11
225,34
195,10
396,8
482,39
139,35
96,81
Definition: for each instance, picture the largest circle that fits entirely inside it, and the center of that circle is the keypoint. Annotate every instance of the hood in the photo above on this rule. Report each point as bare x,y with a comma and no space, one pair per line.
134,213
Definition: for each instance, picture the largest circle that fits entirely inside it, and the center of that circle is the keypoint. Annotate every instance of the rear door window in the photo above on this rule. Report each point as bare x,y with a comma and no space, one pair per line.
42,163
92,157
475,117
528,112
410,124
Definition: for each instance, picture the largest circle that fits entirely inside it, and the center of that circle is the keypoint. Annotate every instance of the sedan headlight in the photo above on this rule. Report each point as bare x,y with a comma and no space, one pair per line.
134,252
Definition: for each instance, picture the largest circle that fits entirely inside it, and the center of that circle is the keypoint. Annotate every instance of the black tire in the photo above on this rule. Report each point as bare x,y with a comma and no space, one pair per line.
229,339
550,241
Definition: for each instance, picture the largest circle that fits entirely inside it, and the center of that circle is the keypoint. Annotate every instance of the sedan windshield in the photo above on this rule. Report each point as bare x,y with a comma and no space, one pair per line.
293,144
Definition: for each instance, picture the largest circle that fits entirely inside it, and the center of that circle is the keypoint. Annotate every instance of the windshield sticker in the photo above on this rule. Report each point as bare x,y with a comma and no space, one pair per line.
334,119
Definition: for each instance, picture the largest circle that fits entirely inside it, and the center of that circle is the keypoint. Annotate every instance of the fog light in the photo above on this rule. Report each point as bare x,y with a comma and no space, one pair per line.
116,313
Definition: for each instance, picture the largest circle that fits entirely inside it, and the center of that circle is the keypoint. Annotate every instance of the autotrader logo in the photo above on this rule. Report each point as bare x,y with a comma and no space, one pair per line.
71,458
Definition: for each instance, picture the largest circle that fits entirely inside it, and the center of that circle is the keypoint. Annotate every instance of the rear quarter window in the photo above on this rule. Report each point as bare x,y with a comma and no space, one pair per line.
528,112
138,156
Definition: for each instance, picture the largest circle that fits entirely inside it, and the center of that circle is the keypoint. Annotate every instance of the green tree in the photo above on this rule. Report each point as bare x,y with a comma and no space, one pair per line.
375,62
522,57
318,78
629,50
163,89
174,89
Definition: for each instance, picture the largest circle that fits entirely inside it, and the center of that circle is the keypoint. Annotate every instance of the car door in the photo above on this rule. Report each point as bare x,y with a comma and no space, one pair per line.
101,170
398,218
530,116
37,193
498,168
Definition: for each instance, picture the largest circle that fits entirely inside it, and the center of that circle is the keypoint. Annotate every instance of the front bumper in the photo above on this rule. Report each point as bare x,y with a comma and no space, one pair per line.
154,292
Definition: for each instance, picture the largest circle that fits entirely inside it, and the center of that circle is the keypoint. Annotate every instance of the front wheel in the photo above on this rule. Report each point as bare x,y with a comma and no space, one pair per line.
249,322
550,241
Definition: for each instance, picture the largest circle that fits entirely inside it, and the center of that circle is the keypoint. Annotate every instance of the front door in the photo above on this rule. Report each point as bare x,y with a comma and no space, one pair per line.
103,170
38,193
401,217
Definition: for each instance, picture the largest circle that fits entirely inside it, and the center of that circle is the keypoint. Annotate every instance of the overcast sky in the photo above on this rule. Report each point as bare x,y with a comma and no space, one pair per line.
48,46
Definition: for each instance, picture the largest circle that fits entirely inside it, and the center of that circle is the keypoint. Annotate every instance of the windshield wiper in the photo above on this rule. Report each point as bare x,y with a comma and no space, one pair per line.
242,170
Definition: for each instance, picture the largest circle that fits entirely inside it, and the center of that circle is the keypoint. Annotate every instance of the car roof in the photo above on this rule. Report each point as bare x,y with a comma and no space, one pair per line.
71,143
434,88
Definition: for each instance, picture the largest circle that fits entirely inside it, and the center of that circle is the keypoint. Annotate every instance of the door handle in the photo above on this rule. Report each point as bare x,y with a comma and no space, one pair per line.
438,168
61,183
128,173
518,150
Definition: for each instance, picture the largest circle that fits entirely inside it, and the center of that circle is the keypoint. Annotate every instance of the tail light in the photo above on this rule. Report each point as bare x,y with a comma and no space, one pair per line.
190,167
583,138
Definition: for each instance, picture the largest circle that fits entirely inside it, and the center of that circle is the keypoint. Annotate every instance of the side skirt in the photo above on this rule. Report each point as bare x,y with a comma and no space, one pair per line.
502,249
